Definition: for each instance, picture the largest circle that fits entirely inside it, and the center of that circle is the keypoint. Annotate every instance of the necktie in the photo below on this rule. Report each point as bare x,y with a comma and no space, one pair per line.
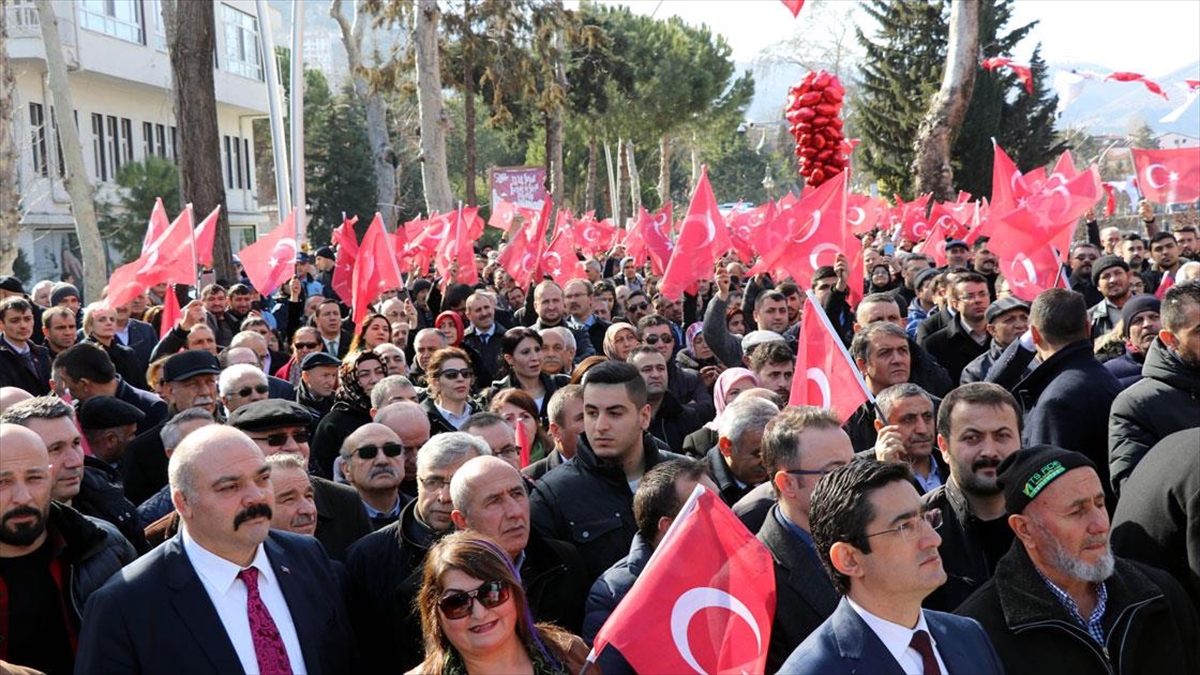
268,645
483,338
332,347
31,363
921,643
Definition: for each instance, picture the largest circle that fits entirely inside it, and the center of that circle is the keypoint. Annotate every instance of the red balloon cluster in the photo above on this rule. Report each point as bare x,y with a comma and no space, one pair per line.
813,114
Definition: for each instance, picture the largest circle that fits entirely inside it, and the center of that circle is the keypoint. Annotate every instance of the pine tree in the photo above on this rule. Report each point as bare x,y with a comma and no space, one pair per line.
1027,131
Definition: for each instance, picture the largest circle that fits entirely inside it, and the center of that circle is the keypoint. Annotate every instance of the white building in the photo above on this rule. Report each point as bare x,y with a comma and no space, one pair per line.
120,79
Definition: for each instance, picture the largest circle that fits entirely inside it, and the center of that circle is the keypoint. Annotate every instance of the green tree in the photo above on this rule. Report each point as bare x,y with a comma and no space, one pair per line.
140,183
1027,131
343,183
1143,138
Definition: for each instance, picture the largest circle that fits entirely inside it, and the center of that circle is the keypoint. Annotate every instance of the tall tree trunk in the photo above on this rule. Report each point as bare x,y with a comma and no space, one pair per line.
696,165
471,158
589,186
382,152
622,176
943,121
81,190
554,127
10,215
191,42
664,169
434,122
635,180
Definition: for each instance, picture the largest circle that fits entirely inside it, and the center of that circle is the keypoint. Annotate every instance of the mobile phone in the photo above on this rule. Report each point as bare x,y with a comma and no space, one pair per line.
889,249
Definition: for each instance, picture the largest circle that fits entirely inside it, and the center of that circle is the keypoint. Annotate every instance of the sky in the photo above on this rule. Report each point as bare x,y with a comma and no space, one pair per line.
1153,37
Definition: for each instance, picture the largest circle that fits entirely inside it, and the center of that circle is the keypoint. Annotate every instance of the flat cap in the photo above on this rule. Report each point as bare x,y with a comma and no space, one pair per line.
273,413
1024,474
759,337
189,364
319,359
106,412
1003,306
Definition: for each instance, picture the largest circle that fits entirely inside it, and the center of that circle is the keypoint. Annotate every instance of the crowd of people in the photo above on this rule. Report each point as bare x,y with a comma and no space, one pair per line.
471,479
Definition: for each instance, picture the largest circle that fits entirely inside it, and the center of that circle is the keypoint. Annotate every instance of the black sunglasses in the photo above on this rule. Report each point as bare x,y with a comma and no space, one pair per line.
654,339
258,388
638,307
452,374
458,604
277,440
389,449
307,345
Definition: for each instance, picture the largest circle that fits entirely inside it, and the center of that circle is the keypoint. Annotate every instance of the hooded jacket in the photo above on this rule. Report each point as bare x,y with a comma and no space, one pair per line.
1165,400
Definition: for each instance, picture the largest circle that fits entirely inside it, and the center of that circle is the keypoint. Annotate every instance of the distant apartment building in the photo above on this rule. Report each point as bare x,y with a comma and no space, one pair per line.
120,79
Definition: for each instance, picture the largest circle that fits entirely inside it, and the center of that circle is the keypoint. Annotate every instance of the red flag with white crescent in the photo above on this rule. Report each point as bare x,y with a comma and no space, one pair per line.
703,239
375,269
1168,176
703,603
171,313
825,375
206,236
346,241
815,233
271,261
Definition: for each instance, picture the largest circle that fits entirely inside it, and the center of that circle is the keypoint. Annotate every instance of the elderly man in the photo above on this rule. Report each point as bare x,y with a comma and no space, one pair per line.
386,567
318,382
393,389
295,499
409,421
979,425
489,498
1060,591
373,463
260,600
240,384
282,426
799,446
257,344
484,333
906,433
500,436
1007,319
426,342
881,352
880,548
565,412
558,350
52,558
173,432
392,357
189,380
579,295
735,463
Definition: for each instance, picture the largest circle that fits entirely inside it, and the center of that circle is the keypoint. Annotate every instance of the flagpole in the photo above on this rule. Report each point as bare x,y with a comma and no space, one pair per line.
297,113
195,253
841,347
283,190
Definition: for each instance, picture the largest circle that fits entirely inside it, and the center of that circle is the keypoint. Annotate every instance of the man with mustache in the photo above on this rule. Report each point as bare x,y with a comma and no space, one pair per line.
227,594
373,463
1060,601
295,500
490,498
904,422
52,558
978,426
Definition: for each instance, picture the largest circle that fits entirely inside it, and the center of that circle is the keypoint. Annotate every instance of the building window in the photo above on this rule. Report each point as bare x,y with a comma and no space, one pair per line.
37,126
175,144
147,140
160,31
118,18
62,163
243,55
228,157
114,145
246,160
161,135
98,149
126,140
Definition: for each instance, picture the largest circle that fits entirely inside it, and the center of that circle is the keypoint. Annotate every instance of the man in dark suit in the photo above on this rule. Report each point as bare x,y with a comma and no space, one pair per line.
23,364
579,298
225,595
798,446
965,338
137,335
880,547
483,335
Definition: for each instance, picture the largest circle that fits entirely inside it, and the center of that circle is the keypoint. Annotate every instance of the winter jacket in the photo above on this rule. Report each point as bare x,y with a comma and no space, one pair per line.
1103,316
978,369
1150,626
963,549
1127,368
954,348
728,487
1165,400
550,383
125,362
606,594
672,422
556,581
100,496
1066,402
588,502
334,428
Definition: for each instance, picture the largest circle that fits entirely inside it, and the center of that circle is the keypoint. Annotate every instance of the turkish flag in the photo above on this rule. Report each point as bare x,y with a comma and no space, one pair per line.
524,442
935,244
346,241
594,236
914,223
1030,265
703,239
1137,77
1023,72
704,602
375,270
165,258
454,245
825,376
521,256
815,232
1169,176
863,212
745,227
271,261
206,236
1168,281
559,260
502,216
171,313
794,6
159,222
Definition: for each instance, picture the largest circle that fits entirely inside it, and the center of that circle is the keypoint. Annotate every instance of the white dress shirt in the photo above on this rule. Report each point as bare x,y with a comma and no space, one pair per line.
897,638
228,595
455,420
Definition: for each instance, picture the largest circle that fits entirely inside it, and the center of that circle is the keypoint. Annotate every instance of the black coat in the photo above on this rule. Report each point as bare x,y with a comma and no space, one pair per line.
385,570
608,592
979,368
954,348
1150,624
588,503
727,485
125,362
1158,519
1066,402
142,338
556,582
332,431
490,354
752,509
14,371
699,442
965,554
341,518
153,407
1166,400
550,383
543,466
804,594
100,496
144,465
1127,368
673,422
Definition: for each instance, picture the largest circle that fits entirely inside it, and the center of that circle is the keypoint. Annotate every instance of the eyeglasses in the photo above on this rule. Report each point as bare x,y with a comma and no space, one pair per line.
277,440
258,388
452,374
638,307
459,604
306,345
807,472
389,450
655,339
909,528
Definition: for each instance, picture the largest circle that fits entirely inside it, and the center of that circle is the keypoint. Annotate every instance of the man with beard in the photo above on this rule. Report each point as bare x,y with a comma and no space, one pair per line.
966,337
1059,601
1186,237
52,558
227,594
1083,254
373,463
1140,321
905,430
1167,398
985,263
979,425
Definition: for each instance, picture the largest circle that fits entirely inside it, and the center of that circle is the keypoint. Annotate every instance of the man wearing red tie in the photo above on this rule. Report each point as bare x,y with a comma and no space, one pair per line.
227,594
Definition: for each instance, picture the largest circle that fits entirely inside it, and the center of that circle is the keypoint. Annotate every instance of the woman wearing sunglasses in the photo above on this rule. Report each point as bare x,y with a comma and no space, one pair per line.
521,349
359,373
449,377
475,617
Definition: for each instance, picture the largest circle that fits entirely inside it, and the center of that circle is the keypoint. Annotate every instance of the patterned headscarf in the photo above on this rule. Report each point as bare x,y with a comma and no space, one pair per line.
349,390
